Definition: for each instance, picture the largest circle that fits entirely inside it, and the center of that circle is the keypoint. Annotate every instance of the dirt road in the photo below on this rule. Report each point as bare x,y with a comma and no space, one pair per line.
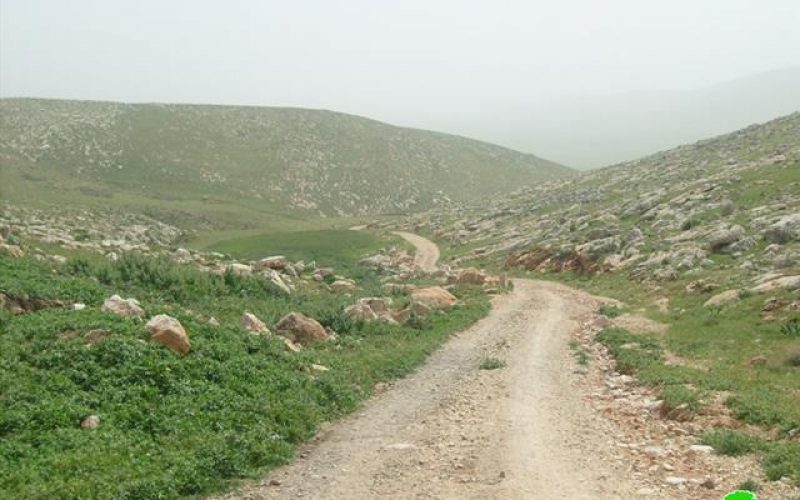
427,253
453,431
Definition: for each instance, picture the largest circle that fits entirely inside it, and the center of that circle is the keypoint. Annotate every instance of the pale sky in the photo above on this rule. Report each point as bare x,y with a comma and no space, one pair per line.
421,63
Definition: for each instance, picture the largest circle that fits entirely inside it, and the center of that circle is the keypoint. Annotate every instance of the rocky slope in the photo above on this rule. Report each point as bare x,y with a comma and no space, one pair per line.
659,217
705,240
315,161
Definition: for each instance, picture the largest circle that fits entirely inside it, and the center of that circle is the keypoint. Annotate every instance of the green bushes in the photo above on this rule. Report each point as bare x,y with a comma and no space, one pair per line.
780,458
170,280
177,426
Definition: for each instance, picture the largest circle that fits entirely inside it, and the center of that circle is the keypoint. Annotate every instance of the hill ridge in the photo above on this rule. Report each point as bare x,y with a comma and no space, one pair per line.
321,162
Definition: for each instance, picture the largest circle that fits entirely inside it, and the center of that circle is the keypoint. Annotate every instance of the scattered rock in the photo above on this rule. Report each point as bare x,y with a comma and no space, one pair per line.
254,325
240,269
169,332
12,250
343,286
784,283
122,307
470,276
723,298
722,237
276,262
301,329
434,297
90,422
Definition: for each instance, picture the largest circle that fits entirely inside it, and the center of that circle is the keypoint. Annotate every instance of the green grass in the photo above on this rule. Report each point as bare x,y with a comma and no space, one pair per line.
173,426
491,363
609,311
780,458
337,248
582,356
716,345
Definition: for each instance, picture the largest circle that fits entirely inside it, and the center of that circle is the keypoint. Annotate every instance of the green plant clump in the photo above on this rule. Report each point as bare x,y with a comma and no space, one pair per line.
491,363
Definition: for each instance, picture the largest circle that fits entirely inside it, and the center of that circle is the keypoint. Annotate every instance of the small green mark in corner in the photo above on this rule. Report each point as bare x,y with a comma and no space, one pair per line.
740,495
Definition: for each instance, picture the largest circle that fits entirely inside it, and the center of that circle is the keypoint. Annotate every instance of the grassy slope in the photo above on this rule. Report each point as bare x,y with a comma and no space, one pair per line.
172,426
340,249
222,165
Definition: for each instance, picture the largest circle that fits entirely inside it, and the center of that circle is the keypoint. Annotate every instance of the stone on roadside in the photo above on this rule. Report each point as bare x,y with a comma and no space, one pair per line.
470,276
434,297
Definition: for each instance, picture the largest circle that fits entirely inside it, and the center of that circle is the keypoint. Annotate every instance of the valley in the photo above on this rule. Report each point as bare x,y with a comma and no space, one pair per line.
248,296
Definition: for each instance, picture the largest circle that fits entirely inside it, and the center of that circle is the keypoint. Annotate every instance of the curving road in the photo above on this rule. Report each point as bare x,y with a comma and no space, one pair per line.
427,253
453,431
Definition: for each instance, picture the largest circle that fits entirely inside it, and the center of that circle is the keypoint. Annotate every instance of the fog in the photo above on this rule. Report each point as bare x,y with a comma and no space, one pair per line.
581,82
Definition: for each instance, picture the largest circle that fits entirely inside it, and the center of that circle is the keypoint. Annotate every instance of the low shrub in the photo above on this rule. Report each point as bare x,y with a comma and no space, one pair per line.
491,363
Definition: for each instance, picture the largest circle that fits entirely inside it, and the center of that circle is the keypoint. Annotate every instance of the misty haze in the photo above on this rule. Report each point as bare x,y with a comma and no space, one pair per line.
358,250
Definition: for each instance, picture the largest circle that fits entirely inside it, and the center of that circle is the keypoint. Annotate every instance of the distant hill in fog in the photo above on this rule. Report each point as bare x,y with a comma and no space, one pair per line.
592,131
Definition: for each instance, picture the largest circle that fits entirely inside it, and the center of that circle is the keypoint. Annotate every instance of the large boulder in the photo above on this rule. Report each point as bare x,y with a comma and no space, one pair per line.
252,324
784,230
300,329
122,307
433,297
169,332
724,236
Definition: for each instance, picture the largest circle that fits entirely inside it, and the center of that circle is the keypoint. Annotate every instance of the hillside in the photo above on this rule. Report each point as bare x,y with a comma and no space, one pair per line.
675,199
248,161
701,247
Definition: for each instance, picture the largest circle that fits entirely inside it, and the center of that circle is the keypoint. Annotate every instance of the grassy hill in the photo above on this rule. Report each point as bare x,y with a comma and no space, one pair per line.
225,166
